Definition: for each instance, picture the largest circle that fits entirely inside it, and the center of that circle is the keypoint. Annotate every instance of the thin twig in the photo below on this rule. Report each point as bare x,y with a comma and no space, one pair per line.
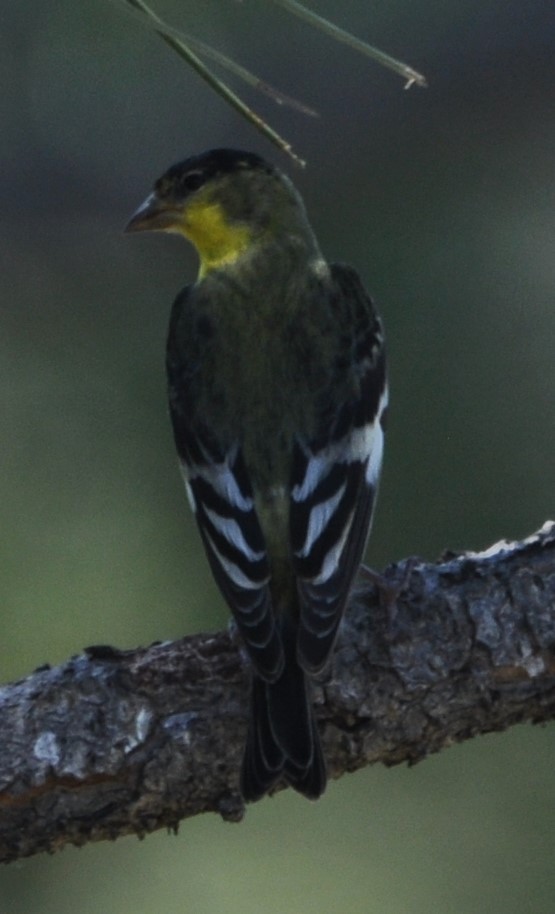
220,87
279,97
412,76
153,21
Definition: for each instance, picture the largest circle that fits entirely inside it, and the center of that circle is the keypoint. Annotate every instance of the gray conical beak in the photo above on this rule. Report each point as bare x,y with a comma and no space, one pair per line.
154,215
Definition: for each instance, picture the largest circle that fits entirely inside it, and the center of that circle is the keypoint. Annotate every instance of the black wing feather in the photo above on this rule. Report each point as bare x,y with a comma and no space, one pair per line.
335,475
221,496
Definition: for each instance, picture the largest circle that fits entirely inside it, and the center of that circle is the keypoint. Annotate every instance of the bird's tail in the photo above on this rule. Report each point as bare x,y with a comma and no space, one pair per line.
283,740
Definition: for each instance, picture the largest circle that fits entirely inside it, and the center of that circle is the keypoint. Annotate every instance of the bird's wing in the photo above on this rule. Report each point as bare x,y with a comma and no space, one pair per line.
220,494
335,475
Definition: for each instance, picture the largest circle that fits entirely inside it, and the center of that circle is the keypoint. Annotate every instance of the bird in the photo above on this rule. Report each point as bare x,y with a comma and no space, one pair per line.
278,399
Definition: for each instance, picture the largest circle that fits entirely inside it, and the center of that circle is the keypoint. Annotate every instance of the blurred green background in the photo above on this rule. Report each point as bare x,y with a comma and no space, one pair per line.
445,201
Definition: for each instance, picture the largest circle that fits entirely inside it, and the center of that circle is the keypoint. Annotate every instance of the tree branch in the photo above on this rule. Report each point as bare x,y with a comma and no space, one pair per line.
115,742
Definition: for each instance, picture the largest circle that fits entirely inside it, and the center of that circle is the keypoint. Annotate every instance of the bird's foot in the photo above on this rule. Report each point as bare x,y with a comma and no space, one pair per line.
389,590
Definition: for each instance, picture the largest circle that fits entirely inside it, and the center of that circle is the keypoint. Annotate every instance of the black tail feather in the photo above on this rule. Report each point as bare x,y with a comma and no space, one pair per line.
263,760
283,741
310,781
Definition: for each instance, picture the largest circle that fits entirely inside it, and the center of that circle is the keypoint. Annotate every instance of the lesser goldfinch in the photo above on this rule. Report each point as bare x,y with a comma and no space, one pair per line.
278,396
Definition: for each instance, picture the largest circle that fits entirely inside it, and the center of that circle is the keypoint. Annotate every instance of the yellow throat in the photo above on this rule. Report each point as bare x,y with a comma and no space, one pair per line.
218,241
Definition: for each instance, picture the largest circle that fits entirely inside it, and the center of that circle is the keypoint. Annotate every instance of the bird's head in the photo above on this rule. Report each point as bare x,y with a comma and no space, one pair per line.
223,201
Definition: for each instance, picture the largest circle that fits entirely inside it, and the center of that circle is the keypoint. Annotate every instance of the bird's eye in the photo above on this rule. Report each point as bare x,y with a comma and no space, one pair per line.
193,180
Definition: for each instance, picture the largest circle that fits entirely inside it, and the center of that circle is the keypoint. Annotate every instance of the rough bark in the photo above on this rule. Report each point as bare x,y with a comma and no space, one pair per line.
115,742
